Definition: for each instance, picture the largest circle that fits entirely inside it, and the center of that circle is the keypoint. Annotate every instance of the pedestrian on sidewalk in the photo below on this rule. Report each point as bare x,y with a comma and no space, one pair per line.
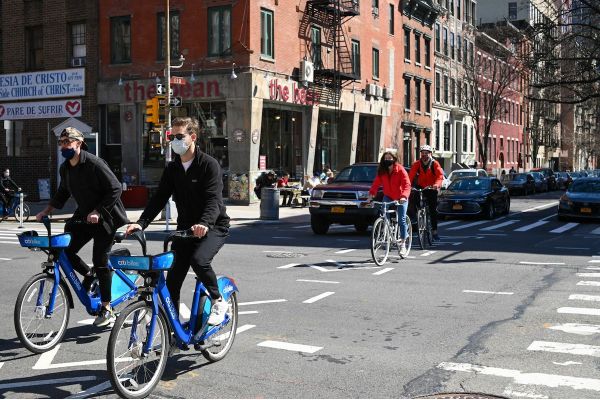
97,192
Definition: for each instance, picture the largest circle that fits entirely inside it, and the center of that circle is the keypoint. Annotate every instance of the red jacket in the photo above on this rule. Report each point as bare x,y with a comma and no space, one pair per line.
433,176
395,185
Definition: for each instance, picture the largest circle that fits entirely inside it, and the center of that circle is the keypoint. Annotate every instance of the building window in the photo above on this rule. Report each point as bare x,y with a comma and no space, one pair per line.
391,20
446,136
427,98
512,10
438,83
471,62
406,94
465,134
406,44
34,47
458,16
315,37
472,140
110,123
445,37
452,45
120,40
78,48
452,91
438,137
356,58
418,95
465,50
437,37
375,63
417,48
452,7
219,31
459,100
459,49
173,40
427,52
445,89
473,14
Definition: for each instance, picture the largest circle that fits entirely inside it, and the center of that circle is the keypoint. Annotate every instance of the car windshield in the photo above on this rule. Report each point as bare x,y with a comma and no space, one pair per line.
585,187
470,184
519,177
461,174
357,173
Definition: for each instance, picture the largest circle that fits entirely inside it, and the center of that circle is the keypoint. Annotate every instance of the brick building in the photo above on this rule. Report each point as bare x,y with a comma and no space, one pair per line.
48,73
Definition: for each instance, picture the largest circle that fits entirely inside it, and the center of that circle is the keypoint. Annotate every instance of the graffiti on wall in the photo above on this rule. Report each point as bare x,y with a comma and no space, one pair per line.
238,187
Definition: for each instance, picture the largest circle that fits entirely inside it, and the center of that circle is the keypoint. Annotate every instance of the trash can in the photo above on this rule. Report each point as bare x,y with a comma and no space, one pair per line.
269,203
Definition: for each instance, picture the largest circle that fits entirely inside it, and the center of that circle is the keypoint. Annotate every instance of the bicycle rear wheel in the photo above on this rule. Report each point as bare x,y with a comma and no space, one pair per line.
429,230
26,212
37,331
408,240
134,374
422,229
221,342
380,242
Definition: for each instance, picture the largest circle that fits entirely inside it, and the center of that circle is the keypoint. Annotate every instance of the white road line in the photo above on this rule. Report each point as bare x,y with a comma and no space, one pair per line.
314,281
91,391
301,226
286,266
572,248
593,268
341,227
7,242
577,329
447,223
251,303
595,231
455,228
547,205
493,227
318,268
540,263
521,392
428,253
184,311
486,292
344,251
566,363
244,328
44,382
317,298
247,312
45,361
565,348
5,259
565,227
348,240
289,346
88,321
594,261
531,226
584,297
281,237
578,310
588,274
383,271
1,364
588,283
275,251
523,378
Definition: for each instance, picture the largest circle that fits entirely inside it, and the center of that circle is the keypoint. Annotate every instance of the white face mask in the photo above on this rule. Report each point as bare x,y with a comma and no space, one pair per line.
179,146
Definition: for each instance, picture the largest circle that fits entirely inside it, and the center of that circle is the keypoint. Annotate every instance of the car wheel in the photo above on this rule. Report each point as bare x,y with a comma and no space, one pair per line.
490,213
361,227
319,225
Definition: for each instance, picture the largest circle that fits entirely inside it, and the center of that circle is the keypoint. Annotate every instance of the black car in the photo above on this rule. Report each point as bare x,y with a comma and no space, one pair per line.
550,176
581,200
563,180
523,183
344,201
475,196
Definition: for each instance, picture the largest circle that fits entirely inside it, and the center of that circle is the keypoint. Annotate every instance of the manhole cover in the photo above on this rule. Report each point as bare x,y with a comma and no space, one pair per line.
285,255
460,395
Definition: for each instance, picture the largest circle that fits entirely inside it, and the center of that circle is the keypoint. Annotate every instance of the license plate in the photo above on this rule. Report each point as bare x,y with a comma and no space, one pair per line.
586,210
457,207
338,210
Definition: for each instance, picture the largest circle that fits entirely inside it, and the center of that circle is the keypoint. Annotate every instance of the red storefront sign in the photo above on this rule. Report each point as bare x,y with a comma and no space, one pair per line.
136,91
297,95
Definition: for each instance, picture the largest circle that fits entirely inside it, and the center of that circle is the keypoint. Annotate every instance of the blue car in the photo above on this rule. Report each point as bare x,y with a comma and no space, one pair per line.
581,200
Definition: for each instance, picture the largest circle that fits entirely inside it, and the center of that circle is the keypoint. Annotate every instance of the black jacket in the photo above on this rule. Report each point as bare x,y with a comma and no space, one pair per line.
198,193
94,187
8,183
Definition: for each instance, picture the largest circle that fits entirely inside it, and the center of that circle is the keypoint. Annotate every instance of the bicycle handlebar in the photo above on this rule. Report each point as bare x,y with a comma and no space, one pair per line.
187,234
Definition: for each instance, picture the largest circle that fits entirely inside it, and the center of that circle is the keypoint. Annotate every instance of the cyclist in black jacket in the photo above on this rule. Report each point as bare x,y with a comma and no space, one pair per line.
194,180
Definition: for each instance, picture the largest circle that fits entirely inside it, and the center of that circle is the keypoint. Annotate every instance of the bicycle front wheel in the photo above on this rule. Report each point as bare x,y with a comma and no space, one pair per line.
133,373
380,242
422,226
38,331
221,342
26,212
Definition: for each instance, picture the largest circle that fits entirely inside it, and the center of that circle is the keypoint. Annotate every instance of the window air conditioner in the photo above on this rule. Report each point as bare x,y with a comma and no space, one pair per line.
370,90
387,93
378,91
77,61
306,71
376,11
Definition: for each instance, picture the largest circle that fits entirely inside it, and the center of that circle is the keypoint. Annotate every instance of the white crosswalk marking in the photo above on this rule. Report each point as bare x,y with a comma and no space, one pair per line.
588,274
491,228
595,231
531,226
565,348
565,227
455,228
577,329
447,223
289,346
584,297
578,310
588,283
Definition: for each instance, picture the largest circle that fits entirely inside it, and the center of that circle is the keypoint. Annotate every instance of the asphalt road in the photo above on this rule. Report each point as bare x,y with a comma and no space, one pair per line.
505,307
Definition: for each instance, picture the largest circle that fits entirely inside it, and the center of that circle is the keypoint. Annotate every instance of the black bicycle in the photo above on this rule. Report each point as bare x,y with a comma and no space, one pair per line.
425,231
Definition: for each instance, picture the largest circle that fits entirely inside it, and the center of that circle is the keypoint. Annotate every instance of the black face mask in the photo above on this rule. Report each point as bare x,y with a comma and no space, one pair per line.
388,163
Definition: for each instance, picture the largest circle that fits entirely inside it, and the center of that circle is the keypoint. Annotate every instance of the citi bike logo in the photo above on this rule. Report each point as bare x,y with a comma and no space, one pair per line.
128,263
74,280
228,289
30,241
171,308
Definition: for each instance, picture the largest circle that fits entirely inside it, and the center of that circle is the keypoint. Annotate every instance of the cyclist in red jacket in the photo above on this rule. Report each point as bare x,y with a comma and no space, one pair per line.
428,173
396,186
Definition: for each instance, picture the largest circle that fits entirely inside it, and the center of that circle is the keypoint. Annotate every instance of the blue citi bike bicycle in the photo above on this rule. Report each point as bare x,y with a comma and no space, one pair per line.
144,332
42,309
14,208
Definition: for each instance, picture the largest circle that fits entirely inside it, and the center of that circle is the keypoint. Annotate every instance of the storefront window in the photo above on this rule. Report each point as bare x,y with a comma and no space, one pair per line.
367,142
281,141
326,152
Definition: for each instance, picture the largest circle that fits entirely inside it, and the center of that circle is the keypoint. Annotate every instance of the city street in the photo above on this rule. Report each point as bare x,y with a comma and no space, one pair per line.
508,307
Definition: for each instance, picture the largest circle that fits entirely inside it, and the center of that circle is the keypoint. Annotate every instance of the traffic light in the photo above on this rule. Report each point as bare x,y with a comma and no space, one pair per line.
152,111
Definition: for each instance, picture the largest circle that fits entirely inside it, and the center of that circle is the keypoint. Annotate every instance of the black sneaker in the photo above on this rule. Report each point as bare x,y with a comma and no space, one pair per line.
105,318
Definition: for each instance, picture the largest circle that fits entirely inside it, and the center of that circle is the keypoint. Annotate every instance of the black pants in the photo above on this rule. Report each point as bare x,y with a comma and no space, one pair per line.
431,200
199,254
287,196
81,234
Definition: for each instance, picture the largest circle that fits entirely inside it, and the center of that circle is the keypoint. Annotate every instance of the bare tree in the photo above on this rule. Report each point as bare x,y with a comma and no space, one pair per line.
492,76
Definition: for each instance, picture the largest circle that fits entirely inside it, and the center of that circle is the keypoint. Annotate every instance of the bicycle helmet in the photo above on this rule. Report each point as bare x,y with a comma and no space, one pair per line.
426,147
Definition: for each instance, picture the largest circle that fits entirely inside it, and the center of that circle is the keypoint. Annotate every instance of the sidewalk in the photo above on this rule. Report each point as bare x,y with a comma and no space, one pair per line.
240,215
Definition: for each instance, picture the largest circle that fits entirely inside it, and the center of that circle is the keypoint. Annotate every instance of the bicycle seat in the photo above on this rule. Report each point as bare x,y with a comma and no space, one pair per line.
158,262
31,239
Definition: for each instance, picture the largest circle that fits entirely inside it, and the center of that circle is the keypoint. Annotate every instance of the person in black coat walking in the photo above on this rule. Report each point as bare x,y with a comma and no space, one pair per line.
99,213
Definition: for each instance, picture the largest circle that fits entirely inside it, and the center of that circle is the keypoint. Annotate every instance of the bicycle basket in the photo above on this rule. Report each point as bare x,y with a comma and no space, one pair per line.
158,262
31,239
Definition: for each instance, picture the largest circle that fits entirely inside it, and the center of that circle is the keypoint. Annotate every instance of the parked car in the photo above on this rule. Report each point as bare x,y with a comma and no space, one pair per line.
563,180
484,196
523,183
581,200
549,174
461,173
541,183
344,200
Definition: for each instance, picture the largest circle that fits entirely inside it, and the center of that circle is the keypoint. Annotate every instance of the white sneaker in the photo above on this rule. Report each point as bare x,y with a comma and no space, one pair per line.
402,246
217,312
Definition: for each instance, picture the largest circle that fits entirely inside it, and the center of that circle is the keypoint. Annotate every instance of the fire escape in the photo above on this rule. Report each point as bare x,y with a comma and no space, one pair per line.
336,70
